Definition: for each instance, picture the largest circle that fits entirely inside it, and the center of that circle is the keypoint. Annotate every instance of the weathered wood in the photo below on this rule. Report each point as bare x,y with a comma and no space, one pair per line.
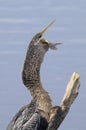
71,91
70,95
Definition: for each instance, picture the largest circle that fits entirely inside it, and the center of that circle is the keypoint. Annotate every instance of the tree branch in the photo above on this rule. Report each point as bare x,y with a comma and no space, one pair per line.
70,95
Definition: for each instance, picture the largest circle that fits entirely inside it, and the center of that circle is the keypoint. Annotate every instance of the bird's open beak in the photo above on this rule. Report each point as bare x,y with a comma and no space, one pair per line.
46,28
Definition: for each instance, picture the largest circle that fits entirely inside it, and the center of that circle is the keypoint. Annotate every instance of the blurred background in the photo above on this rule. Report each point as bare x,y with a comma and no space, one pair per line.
20,20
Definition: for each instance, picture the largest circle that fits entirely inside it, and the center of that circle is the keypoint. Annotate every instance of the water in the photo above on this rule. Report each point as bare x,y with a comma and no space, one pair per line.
19,21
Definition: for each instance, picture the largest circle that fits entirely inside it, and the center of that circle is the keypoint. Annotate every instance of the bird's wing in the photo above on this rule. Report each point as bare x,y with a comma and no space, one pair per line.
24,115
36,122
33,123
28,118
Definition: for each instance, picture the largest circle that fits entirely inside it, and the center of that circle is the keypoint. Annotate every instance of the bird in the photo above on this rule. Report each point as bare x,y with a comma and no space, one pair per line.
39,114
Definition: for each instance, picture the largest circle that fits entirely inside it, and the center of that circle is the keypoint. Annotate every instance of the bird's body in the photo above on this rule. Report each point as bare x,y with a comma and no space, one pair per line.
36,115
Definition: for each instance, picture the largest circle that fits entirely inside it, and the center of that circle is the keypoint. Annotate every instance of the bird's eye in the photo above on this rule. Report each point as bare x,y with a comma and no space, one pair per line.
39,36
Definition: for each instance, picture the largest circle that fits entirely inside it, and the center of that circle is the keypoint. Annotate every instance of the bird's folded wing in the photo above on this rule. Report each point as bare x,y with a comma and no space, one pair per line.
32,123
23,116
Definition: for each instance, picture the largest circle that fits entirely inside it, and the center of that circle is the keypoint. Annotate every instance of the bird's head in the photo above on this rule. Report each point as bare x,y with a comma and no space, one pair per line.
39,46
39,42
36,39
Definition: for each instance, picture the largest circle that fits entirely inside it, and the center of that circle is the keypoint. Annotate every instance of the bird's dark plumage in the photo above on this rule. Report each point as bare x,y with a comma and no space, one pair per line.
36,115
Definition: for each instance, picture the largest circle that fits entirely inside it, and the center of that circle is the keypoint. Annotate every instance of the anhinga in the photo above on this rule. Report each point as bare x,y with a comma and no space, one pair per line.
39,113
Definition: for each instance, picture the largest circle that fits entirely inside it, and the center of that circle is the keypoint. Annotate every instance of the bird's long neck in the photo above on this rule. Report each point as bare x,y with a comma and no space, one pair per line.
31,69
31,79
